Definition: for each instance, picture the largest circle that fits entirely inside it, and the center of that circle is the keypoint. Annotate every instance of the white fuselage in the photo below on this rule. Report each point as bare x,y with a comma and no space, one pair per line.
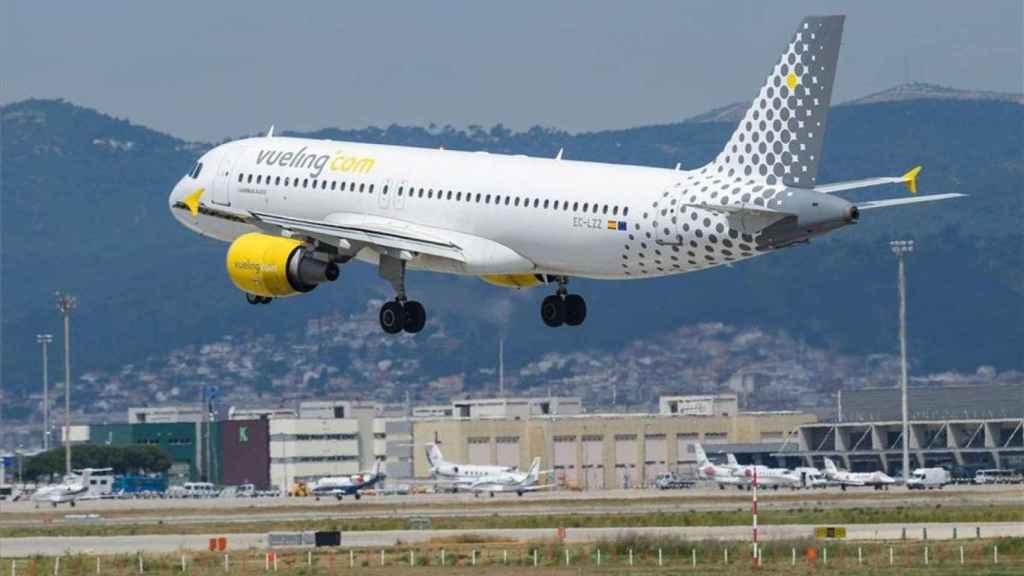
510,214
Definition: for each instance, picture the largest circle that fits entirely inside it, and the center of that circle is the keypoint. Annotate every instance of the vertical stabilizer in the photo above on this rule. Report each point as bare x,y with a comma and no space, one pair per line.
702,458
780,138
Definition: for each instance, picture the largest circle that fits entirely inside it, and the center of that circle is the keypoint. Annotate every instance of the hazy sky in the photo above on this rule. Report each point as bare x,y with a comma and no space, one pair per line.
209,70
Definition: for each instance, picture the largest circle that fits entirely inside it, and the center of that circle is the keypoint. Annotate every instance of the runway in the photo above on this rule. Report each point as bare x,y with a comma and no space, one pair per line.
163,544
244,510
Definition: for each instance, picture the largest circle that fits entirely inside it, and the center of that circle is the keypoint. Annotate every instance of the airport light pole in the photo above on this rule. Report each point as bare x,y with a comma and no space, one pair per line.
901,248
44,340
65,304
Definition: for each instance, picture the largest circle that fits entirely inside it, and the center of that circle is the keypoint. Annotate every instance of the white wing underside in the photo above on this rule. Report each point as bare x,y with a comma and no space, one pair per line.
872,204
382,233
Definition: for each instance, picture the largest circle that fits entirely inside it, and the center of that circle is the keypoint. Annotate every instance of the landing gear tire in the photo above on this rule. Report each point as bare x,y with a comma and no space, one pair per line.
552,311
358,496
415,317
575,309
392,317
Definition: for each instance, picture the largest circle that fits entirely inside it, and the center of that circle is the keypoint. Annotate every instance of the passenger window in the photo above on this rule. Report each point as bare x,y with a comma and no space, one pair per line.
604,210
575,206
421,193
595,208
585,207
487,199
615,211
305,182
314,183
277,181
430,194
546,204
458,197
517,201
477,197
370,191
240,176
449,194
286,181
536,202
401,189
625,211
508,200
361,186
249,179
334,185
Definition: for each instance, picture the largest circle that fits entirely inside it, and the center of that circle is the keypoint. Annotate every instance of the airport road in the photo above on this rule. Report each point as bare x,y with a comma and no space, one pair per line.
53,546
229,510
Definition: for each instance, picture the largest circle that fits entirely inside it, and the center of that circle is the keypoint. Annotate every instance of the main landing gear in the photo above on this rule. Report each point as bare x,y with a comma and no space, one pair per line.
400,313
562,307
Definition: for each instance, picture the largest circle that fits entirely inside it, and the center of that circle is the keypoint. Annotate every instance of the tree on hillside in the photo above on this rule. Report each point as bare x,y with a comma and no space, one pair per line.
123,459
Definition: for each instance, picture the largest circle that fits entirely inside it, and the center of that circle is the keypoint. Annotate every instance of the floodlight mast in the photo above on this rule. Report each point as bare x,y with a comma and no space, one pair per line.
44,340
66,303
901,248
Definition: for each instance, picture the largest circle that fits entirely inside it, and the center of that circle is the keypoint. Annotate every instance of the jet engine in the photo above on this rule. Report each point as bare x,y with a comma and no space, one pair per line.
272,266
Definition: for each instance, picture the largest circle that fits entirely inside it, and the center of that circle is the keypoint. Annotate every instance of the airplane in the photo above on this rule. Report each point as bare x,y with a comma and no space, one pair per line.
341,486
74,487
296,210
766,477
513,481
877,479
462,476
719,474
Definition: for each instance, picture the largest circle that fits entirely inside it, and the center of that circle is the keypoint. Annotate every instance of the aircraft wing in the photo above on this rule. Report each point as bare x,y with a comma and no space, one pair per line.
910,179
386,233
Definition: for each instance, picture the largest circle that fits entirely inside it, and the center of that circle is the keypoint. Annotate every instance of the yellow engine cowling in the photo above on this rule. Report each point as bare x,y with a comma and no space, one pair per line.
273,266
514,280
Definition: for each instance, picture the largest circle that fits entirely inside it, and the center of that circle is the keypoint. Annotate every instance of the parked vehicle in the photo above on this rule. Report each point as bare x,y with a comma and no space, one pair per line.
672,482
928,479
199,490
993,476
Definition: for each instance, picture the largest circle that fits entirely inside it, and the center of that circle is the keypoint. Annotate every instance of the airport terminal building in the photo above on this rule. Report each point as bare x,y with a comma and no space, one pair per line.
961,428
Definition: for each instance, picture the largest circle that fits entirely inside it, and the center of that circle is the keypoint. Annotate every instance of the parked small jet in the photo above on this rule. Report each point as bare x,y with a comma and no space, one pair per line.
721,475
74,487
518,482
460,475
341,486
877,479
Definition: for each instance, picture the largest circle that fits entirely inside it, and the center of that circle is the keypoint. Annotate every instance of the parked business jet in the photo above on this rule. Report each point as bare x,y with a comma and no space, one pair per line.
462,476
296,210
723,475
74,487
341,486
878,480
514,481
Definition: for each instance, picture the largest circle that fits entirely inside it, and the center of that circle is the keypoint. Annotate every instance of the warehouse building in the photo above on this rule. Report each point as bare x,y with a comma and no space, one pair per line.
961,428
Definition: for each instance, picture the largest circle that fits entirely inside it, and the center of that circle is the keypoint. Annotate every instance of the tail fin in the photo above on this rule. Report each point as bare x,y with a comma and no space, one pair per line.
377,473
780,137
730,459
830,466
434,455
702,457
534,473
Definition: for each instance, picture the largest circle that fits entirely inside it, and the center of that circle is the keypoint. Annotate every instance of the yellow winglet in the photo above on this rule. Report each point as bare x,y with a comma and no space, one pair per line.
192,201
911,179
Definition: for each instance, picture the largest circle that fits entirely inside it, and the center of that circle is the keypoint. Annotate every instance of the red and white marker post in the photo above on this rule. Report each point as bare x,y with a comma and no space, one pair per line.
757,553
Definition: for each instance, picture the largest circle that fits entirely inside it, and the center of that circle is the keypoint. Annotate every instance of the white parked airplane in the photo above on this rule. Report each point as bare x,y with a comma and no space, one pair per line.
295,209
766,477
341,486
844,478
462,476
514,481
74,487
717,473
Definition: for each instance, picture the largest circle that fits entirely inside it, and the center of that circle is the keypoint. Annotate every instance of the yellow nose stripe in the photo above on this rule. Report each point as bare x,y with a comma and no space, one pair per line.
192,201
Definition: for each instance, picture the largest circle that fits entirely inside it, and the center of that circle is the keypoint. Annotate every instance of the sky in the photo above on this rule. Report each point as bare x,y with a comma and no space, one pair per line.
212,70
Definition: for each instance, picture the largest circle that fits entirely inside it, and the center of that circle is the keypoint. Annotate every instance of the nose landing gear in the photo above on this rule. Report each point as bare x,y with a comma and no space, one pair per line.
562,307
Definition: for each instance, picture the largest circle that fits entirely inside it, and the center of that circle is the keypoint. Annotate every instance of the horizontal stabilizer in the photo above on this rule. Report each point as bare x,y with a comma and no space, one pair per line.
900,201
744,217
910,179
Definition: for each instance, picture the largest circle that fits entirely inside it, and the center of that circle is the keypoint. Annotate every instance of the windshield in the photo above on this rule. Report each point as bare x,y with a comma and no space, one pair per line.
196,169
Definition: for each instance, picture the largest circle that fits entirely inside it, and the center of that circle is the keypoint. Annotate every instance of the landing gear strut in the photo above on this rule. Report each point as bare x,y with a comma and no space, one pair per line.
400,313
562,307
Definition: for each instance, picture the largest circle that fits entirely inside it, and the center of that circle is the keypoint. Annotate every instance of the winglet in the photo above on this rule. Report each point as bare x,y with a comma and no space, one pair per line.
559,156
270,133
910,178
192,201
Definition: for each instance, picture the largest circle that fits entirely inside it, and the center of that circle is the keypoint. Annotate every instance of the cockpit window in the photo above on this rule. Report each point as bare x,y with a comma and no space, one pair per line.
196,170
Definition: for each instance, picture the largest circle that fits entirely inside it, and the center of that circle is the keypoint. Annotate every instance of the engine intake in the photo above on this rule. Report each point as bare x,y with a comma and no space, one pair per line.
272,266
